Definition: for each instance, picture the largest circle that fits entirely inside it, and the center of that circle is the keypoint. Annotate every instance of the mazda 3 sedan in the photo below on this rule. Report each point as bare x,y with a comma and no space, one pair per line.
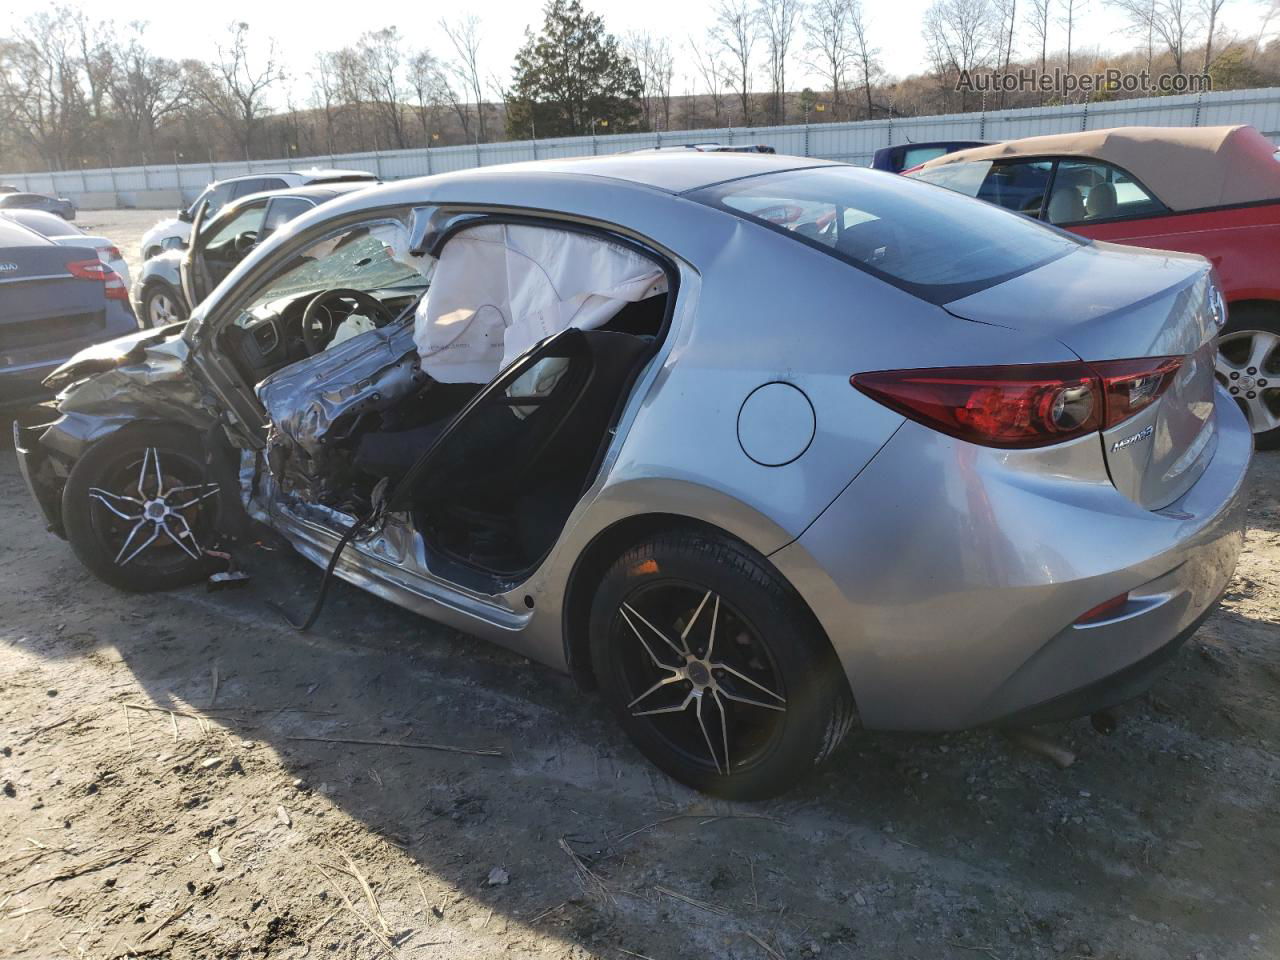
759,447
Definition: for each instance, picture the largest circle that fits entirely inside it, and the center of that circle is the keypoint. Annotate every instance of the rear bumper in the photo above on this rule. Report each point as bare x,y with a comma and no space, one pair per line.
20,385
950,577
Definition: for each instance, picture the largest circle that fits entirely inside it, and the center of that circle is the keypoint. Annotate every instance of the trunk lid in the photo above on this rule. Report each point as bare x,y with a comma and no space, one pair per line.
42,306
1107,302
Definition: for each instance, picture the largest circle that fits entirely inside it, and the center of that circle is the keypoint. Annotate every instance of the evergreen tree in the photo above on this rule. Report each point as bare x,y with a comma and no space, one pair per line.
572,79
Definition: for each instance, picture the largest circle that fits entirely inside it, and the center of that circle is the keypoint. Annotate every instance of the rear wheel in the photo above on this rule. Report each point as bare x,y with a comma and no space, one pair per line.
162,306
141,508
714,667
1248,367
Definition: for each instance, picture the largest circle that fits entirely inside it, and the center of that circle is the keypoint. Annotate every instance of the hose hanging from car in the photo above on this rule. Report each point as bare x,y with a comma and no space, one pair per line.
353,531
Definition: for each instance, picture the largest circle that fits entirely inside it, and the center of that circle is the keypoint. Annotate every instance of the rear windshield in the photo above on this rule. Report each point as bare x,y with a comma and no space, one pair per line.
933,243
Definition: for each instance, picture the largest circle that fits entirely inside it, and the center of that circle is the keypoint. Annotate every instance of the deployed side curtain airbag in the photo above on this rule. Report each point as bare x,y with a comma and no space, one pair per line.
500,288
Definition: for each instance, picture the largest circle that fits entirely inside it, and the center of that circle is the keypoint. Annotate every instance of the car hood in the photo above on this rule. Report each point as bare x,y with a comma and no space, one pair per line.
102,357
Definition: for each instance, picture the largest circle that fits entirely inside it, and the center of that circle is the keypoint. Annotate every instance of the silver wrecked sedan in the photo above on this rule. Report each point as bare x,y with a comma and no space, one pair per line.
760,447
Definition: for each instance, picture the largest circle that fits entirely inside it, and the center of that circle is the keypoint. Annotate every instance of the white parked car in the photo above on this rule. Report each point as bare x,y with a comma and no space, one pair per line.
175,232
69,235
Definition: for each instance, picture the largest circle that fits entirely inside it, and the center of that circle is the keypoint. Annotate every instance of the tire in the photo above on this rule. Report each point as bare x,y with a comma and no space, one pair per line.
773,698
1248,366
101,506
162,305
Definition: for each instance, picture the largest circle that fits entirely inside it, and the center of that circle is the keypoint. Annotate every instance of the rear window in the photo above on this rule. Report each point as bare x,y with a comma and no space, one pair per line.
13,235
935,244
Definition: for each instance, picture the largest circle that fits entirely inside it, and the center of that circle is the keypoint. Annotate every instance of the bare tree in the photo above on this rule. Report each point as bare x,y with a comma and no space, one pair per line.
961,36
464,34
778,20
324,93
1040,22
735,33
662,66
1140,19
429,87
866,62
41,83
382,58
236,85
1071,12
1210,10
712,74
831,42
144,89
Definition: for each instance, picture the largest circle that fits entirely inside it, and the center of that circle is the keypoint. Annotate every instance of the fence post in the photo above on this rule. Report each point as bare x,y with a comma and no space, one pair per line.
806,138
377,164
982,122
428,159
1199,99
1084,115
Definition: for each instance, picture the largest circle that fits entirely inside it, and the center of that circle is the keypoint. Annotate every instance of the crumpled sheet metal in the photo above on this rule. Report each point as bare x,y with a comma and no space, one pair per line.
154,385
371,371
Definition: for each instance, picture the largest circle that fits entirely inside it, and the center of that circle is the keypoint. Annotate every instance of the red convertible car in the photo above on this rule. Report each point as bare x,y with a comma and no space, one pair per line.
1214,191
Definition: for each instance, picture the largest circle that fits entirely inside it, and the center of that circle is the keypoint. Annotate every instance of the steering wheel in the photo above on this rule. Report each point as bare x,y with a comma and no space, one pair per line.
318,327
244,242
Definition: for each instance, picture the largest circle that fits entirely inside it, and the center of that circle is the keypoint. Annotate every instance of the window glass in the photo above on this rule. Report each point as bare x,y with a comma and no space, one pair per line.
246,220
46,224
272,183
245,187
917,155
218,198
1085,190
281,210
933,243
369,257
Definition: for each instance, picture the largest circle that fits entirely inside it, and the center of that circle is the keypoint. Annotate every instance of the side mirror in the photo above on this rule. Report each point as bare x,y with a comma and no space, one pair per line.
185,215
182,245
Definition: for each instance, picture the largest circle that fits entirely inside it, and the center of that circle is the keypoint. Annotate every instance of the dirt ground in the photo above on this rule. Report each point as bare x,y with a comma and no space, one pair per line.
162,796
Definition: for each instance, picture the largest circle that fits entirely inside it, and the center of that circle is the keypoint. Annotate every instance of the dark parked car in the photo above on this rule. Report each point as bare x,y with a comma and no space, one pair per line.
223,239
38,201
54,301
907,155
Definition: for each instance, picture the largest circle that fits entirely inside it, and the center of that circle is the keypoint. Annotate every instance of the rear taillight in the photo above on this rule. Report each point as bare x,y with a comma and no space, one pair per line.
1021,406
109,253
113,286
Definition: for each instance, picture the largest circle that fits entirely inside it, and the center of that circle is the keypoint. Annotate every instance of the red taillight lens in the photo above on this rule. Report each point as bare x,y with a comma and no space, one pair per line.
1022,406
109,253
1015,406
1131,385
113,286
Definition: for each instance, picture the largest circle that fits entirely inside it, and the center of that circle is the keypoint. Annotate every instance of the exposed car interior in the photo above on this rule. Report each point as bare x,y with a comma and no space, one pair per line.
367,358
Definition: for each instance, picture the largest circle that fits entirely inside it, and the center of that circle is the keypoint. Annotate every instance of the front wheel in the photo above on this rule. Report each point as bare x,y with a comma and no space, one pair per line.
161,306
714,667
1248,366
142,507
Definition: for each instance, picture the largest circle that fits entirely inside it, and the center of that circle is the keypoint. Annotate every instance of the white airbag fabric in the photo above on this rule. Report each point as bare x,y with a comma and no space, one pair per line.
499,288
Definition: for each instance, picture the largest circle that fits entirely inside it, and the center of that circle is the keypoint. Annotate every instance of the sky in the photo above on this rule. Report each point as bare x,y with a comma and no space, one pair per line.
303,30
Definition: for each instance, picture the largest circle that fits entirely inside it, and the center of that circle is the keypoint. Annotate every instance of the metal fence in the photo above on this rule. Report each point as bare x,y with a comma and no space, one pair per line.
852,142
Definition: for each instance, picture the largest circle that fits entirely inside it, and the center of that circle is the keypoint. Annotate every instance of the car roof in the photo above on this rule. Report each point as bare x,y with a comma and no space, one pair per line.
32,219
317,192
676,171
14,234
1187,168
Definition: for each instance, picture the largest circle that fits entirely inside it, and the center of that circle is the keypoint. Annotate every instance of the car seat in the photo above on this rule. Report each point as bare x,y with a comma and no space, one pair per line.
1101,202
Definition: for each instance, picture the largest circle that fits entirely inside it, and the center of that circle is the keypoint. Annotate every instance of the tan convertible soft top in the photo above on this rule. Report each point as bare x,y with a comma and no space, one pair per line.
1187,168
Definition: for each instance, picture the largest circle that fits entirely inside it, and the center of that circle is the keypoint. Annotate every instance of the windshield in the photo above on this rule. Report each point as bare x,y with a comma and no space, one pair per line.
935,244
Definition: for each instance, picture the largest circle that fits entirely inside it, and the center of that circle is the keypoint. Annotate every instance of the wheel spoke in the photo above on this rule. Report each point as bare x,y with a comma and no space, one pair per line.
683,705
711,637
150,459
210,489
155,532
724,727
665,639
1260,349
1260,416
115,503
193,551
745,679
697,711
664,682
684,634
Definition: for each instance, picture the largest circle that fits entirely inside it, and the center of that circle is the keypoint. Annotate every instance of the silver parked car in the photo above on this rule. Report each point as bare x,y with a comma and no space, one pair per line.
758,446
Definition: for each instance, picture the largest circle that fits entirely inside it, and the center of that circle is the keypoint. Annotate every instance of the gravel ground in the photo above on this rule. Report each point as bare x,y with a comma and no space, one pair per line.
176,784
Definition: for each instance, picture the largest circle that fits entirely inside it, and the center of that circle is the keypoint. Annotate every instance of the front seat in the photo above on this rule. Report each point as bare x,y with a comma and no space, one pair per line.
1066,206
1101,202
